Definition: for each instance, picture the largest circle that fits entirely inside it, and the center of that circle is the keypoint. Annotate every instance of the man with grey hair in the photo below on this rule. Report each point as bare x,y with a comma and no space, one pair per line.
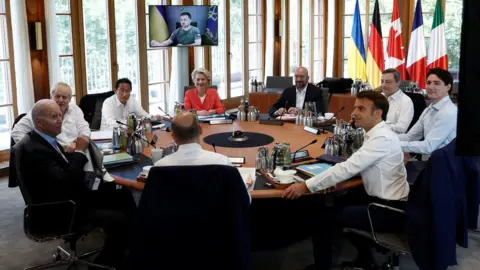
294,98
50,174
400,113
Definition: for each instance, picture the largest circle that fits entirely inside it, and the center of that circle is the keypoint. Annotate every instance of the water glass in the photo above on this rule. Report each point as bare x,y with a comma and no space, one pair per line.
270,165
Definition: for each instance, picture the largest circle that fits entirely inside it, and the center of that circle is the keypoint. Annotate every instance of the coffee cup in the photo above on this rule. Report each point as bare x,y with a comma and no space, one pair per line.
146,170
284,177
157,154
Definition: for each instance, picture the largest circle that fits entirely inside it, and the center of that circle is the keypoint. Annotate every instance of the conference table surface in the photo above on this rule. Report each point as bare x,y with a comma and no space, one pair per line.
289,132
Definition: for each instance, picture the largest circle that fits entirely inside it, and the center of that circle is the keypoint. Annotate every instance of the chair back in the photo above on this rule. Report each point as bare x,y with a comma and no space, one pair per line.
419,106
42,221
91,106
279,82
12,175
192,217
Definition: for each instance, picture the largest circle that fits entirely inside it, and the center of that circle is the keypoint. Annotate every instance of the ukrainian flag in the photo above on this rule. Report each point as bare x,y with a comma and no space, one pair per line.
158,25
356,49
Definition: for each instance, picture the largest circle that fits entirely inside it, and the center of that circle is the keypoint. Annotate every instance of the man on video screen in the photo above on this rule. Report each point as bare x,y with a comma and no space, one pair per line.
186,35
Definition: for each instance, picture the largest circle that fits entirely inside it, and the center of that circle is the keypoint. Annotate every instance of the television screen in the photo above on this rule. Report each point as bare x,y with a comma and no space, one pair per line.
183,25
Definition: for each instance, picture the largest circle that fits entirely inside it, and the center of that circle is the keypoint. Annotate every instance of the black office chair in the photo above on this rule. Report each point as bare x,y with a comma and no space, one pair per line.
91,106
12,176
192,217
44,222
419,106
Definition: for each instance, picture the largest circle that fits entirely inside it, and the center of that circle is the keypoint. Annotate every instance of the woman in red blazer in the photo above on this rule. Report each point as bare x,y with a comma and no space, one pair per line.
205,101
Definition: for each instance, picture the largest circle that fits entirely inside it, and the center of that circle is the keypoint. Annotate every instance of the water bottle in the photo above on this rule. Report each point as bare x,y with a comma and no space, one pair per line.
116,138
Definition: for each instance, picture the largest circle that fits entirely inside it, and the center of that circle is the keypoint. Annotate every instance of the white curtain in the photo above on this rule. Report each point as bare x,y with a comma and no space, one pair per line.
22,62
270,39
52,48
331,38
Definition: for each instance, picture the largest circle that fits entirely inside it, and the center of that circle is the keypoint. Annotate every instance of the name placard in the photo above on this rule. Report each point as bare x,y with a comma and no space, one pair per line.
311,130
221,121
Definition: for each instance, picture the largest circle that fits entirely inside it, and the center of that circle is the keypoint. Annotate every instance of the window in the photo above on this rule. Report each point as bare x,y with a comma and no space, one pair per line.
199,51
306,31
63,21
127,43
6,70
317,71
428,9
294,36
158,76
218,53
97,46
236,48
453,30
255,40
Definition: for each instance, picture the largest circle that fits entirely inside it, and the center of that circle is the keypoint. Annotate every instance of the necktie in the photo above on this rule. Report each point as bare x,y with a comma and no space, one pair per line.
55,145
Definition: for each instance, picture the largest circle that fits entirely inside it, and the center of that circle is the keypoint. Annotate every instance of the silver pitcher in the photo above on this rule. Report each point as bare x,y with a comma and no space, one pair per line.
135,145
147,125
116,138
332,147
242,115
261,158
299,119
252,115
308,120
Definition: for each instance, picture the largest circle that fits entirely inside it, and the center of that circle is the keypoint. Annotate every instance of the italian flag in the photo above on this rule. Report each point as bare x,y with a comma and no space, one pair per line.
437,51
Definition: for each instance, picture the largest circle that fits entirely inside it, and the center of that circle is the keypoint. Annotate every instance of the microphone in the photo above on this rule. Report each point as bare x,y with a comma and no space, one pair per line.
341,109
120,123
165,112
295,153
214,149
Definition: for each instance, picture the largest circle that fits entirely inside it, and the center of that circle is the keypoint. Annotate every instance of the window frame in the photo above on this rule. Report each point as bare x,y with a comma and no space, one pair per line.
13,113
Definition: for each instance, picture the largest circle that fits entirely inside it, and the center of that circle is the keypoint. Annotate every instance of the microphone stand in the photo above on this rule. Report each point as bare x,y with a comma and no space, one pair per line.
295,153
214,149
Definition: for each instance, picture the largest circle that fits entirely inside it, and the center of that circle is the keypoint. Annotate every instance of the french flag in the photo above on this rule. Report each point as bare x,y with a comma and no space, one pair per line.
417,56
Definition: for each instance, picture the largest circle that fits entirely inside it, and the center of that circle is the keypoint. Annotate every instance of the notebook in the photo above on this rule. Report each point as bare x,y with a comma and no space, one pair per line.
117,158
313,169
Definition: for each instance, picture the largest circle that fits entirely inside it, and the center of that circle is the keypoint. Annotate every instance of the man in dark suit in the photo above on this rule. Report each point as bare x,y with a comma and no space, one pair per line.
50,174
294,97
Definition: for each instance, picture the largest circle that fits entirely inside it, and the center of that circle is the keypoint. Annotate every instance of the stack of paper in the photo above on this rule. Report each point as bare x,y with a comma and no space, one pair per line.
313,169
117,158
101,135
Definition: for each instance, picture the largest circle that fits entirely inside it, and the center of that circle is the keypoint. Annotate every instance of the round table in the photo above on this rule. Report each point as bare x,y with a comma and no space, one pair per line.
289,132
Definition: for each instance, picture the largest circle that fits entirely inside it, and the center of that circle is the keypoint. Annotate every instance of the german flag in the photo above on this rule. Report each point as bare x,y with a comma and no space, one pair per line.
375,59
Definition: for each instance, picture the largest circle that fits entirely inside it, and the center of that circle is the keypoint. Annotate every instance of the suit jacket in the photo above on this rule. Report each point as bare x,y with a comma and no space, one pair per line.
201,218
47,176
442,201
211,102
289,97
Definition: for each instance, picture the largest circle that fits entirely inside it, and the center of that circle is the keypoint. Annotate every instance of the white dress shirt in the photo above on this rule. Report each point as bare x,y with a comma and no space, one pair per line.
300,99
437,126
113,110
380,163
400,112
73,126
192,154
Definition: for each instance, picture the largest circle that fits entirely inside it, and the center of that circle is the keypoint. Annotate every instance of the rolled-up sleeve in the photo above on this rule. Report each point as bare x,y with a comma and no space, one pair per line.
24,126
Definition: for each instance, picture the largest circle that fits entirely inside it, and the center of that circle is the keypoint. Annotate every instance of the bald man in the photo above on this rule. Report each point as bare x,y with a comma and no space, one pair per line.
294,98
50,174
186,133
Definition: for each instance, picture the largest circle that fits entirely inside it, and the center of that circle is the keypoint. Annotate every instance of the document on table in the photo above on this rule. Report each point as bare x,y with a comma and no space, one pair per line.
248,176
101,135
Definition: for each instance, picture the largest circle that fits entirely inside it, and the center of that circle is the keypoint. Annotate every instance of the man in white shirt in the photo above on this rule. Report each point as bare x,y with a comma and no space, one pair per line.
186,133
437,125
119,106
380,163
73,125
400,111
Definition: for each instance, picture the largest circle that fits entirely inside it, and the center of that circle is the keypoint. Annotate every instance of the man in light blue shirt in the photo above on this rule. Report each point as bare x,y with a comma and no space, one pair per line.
437,125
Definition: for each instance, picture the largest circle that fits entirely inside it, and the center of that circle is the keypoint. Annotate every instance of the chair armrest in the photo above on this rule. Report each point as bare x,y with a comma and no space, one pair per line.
386,207
47,221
